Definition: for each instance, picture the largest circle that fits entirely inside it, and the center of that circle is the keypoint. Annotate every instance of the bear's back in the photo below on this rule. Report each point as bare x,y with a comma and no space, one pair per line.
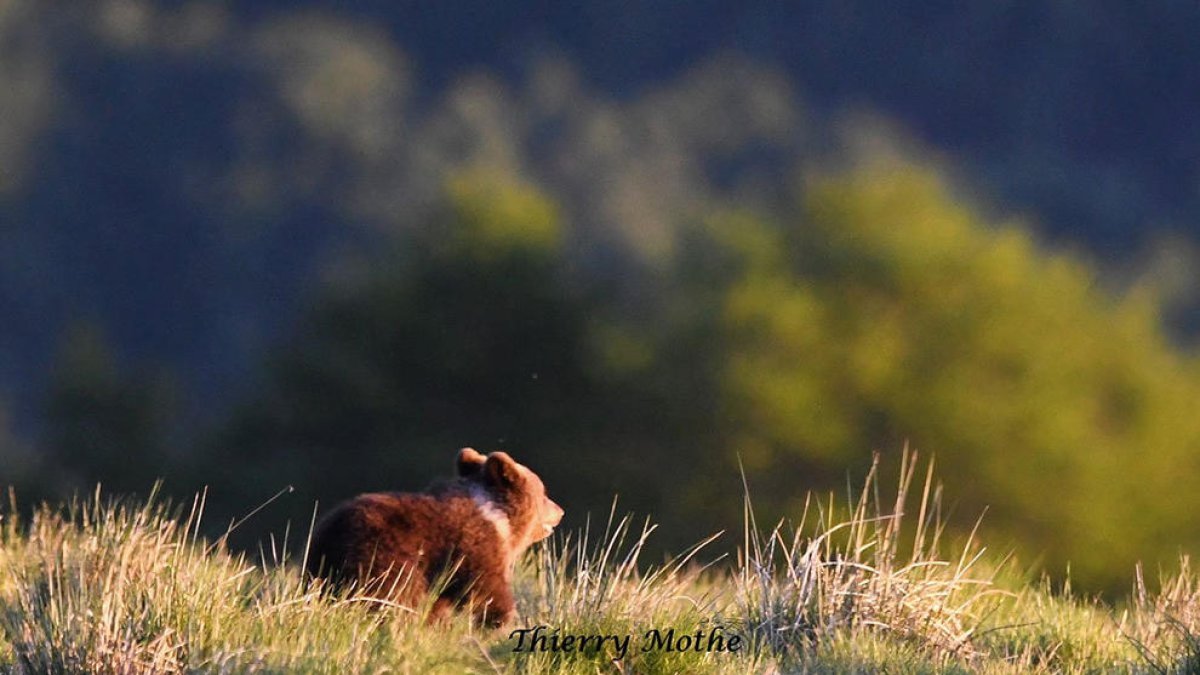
387,537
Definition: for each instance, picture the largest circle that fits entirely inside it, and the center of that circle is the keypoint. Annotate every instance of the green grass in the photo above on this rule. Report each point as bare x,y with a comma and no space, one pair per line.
103,586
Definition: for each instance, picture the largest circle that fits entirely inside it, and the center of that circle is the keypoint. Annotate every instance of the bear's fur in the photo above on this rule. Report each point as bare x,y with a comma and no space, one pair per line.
465,534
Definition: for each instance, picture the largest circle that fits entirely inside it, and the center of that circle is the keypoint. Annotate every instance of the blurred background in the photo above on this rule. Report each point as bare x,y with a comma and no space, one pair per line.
322,244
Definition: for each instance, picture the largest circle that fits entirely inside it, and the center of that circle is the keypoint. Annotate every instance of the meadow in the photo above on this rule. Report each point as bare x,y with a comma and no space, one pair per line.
864,583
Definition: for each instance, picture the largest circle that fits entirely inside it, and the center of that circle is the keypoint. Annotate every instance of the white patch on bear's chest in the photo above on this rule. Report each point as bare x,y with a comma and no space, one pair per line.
494,515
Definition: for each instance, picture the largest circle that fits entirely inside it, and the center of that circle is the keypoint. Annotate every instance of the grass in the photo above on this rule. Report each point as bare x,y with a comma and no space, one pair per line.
111,586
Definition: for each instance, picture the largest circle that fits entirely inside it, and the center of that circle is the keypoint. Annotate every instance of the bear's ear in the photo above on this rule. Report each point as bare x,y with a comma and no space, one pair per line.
469,462
501,470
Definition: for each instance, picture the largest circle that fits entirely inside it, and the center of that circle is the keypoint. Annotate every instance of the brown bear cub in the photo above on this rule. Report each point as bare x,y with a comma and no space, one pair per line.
465,534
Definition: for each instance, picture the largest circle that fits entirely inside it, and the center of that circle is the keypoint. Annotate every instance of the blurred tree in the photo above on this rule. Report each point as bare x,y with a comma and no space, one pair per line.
469,335
890,312
103,425
882,311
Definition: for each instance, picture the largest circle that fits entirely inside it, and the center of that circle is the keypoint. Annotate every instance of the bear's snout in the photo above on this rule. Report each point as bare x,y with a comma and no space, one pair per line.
551,516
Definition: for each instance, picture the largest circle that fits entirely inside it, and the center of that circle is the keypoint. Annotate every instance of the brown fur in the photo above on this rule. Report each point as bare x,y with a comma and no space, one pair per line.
467,533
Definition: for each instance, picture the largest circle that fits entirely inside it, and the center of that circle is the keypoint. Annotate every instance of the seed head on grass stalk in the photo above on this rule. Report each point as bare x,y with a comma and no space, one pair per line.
849,576
1164,628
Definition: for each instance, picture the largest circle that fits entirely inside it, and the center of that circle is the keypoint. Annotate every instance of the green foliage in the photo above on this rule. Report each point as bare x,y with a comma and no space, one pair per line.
887,312
882,310
492,219
469,336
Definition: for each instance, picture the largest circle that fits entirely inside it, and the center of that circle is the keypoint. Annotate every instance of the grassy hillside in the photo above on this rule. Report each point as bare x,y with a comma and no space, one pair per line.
115,587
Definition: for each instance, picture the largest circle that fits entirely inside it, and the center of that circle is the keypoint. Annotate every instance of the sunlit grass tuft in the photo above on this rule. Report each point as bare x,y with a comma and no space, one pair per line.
844,577
582,585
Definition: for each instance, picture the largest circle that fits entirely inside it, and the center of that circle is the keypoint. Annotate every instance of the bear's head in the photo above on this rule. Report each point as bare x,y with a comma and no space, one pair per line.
516,491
